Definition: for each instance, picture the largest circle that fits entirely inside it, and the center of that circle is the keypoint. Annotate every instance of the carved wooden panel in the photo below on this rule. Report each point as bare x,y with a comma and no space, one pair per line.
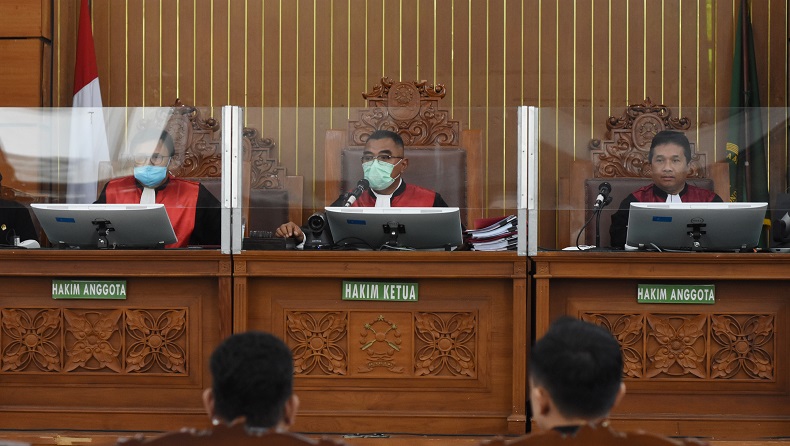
446,344
410,109
319,342
383,344
79,340
265,171
624,150
694,346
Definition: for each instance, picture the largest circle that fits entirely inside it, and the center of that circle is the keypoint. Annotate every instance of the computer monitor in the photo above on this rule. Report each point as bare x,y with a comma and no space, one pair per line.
124,225
398,228
695,226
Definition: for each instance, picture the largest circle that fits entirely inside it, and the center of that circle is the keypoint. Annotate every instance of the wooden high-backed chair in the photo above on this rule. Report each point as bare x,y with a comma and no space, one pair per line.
271,196
620,159
442,156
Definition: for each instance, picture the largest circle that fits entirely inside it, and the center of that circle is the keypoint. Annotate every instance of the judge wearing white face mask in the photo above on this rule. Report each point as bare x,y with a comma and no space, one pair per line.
194,212
383,164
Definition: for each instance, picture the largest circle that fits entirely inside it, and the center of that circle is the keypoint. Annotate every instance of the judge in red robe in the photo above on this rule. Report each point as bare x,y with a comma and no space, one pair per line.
383,164
669,156
193,211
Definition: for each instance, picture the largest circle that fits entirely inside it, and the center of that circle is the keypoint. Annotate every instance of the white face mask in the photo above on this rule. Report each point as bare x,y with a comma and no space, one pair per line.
379,173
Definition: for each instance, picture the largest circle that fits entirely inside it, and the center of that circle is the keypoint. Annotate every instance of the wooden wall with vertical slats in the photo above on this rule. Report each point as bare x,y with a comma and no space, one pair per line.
591,58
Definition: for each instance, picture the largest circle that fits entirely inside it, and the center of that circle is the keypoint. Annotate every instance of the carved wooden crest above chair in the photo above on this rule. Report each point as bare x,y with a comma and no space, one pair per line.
197,141
410,109
199,149
198,146
624,150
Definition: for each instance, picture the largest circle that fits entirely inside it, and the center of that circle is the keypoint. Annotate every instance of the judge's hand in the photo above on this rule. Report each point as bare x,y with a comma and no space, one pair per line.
289,229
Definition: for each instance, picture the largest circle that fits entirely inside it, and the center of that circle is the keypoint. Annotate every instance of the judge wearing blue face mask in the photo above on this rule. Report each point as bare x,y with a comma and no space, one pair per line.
383,164
194,212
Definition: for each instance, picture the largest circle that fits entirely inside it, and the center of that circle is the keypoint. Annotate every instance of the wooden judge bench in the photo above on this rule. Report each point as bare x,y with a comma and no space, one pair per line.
450,359
715,369
140,364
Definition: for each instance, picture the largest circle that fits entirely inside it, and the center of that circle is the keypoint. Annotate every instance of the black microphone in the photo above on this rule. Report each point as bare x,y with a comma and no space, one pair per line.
361,186
603,195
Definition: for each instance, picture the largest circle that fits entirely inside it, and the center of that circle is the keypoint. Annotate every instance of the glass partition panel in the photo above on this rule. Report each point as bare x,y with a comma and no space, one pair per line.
299,161
593,161
74,157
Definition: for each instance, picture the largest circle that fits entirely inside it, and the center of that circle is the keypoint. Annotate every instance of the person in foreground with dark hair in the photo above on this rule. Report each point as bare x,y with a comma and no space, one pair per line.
383,164
669,157
575,375
575,379
194,212
252,379
251,399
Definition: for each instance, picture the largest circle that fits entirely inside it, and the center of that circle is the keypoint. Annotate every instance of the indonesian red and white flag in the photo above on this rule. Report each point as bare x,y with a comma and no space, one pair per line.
88,142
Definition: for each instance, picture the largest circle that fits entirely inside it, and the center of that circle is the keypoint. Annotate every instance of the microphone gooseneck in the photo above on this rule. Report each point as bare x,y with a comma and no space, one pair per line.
358,190
603,195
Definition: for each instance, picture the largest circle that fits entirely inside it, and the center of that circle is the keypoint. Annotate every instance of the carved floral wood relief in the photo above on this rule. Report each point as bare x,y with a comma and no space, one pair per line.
318,342
742,346
410,109
92,340
628,329
696,346
81,340
31,339
392,344
446,344
154,341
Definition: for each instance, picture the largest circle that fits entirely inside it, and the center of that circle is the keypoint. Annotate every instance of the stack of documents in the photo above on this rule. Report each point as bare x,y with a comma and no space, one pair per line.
493,234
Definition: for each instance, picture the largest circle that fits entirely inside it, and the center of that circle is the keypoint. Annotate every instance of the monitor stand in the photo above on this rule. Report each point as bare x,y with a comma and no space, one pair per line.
696,233
393,228
103,227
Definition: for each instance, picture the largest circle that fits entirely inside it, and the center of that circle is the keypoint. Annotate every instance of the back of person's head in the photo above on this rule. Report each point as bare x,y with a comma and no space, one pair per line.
670,137
386,134
580,366
252,376
152,137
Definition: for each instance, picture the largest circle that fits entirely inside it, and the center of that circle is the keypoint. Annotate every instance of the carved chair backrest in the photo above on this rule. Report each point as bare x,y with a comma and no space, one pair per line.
620,158
442,156
271,196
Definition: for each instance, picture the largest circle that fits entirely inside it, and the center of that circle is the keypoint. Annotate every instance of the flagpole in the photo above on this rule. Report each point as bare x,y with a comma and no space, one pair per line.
746,102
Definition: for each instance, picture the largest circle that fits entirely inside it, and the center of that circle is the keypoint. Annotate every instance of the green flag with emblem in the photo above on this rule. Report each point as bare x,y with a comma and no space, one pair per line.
746,151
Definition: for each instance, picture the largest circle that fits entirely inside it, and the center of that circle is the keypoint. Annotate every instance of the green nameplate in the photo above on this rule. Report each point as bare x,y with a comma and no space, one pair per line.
380,291
676,294
88,289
